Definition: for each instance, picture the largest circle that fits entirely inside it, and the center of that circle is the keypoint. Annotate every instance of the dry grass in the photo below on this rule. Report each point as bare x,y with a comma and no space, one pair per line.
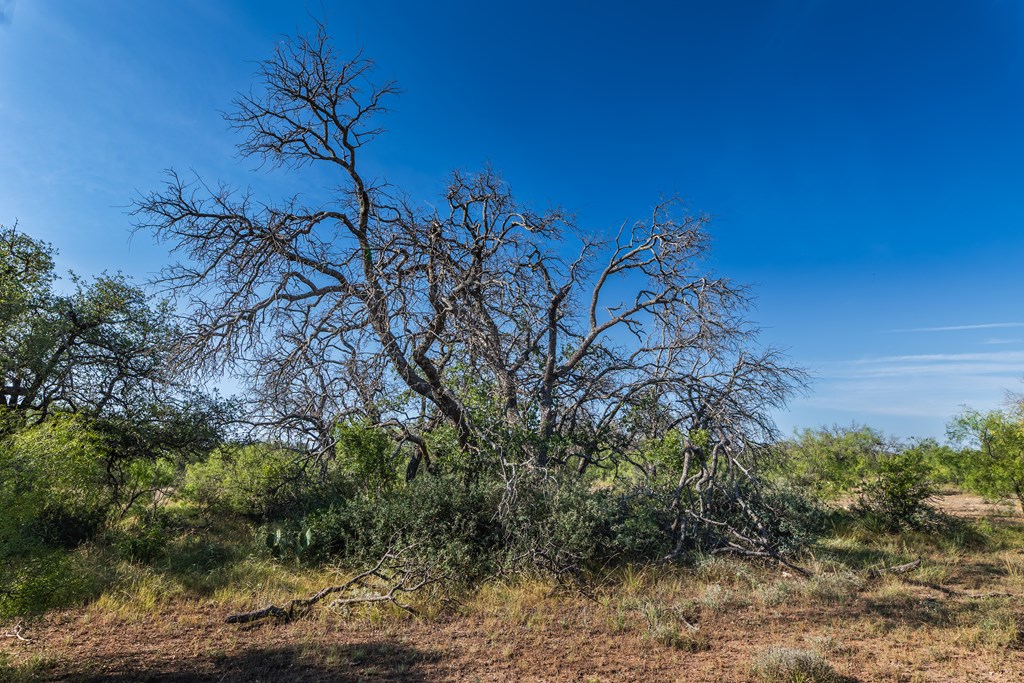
790,665
959,616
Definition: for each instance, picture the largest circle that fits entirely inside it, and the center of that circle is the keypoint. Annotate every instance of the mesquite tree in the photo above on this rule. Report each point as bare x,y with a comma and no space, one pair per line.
538,342
89,369
97,350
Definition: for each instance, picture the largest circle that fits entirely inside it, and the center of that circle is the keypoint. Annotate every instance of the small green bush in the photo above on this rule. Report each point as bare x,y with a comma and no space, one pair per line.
257,481
570,525
550,526
143,537
792,519
440,519
52,499
35,578
52,483
898,497
641,527
560,527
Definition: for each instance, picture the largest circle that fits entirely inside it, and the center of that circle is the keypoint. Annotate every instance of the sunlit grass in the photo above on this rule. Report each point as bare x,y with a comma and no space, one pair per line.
898,626
31,668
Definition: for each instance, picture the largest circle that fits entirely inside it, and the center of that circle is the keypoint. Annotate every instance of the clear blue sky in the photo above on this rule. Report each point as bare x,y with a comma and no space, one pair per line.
863,161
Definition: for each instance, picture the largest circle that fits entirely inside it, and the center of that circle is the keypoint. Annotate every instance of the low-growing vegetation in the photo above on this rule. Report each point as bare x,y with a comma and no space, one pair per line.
789,665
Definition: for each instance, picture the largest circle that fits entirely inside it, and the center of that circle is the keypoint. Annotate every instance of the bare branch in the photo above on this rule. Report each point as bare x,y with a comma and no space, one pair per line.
392,577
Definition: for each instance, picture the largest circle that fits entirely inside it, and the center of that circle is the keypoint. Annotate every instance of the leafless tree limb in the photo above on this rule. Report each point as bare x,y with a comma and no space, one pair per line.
385,582
539,343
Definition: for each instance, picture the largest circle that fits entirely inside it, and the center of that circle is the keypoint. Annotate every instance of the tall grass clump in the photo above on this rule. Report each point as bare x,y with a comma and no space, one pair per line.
791,665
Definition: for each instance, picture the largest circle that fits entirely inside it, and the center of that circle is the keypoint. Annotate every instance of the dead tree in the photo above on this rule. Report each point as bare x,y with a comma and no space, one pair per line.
531,337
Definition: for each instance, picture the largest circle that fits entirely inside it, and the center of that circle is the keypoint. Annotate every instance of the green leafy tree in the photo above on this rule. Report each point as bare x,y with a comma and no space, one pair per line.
102,350
92,423
26,276
832,461
993,462
26,273
942,460
99,350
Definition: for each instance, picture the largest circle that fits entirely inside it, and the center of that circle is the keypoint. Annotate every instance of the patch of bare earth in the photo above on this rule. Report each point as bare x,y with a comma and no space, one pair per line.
972,507
958,618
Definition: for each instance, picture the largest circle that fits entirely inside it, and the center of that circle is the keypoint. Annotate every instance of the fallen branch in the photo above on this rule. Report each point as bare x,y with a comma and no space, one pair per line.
402,577
733,541
898,569
15,632
951,593
766,553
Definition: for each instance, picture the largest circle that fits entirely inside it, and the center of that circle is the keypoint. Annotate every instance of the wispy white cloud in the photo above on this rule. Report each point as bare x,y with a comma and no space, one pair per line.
1002,357
955,328
998,340
933,385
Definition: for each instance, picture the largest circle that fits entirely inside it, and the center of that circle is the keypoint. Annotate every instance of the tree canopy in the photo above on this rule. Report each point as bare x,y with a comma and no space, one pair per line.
534,340
993,463
99,349
369,305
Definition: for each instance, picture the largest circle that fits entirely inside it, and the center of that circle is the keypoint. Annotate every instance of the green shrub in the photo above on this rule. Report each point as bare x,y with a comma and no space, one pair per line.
364,455
64,526
893,481
52,483
52,498
142,537
642,526
791,519
898,496
560,527
257,481
570,525
440,519
35,578
829,462
550,525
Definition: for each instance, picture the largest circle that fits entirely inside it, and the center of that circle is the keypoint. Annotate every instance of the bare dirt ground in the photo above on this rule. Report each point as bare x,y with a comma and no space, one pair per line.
960,617
972,507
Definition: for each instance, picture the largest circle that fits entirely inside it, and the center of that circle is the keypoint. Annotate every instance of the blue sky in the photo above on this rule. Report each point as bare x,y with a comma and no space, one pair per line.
863,161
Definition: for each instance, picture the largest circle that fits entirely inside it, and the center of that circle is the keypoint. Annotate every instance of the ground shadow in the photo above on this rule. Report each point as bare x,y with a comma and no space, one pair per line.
368,661
912,611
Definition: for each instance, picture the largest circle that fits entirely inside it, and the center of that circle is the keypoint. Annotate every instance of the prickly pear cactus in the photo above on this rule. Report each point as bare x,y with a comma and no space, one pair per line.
303,541
281,544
